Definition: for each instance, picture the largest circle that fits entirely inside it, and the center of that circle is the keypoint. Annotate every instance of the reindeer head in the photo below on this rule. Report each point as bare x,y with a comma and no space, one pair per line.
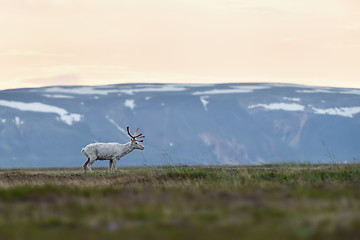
134,141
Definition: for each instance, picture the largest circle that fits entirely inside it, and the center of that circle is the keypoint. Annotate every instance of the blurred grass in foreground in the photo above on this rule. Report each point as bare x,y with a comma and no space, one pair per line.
227,202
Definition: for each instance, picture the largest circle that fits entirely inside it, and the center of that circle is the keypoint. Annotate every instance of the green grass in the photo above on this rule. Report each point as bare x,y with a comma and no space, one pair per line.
237,202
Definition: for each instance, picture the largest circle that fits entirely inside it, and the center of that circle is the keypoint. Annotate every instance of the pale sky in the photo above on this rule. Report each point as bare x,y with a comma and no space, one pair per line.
90,42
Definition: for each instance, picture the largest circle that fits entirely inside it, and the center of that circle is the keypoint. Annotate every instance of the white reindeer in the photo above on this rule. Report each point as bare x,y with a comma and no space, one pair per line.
111,151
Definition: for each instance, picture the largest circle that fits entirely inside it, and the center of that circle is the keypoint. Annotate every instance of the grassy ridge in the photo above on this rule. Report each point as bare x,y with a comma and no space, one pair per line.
272,202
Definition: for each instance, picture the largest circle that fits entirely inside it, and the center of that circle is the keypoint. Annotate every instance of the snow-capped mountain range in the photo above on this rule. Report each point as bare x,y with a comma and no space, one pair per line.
244,123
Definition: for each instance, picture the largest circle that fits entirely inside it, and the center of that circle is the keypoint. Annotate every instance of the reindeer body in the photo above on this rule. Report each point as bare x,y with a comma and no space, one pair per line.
110,151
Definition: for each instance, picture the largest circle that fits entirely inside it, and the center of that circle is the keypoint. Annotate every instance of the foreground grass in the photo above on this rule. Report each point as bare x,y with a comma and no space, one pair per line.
272,202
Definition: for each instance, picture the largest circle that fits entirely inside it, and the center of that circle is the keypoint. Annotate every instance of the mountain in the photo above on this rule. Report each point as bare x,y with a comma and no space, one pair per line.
253,123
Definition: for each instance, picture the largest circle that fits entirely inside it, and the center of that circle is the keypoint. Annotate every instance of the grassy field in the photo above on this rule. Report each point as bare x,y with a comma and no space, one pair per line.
222,202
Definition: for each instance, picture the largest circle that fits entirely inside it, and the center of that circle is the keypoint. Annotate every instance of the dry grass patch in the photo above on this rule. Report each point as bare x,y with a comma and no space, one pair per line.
294,202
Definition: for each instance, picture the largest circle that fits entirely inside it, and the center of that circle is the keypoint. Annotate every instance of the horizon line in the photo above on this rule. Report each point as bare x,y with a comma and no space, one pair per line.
177,83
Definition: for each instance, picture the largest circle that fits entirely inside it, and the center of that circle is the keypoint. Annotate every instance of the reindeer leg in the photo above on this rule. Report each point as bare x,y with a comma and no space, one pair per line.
114,164
85,164
110,165
90,163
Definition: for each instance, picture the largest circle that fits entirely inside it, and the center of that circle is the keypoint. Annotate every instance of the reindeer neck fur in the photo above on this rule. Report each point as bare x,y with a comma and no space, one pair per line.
128,147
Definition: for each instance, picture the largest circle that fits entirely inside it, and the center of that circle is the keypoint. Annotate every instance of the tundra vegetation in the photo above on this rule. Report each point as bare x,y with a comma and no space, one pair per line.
217,202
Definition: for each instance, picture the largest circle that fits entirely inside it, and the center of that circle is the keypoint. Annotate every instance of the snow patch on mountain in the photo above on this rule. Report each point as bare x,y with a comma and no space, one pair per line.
18,121
89,90
68,118
57,96
315,90
351,91
233,89
80,90
122,130
130,103
279,106
162,88
291,99
339,111
204,100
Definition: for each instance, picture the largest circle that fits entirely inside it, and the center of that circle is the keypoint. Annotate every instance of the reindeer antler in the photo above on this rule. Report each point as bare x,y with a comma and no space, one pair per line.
127,128
136,136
